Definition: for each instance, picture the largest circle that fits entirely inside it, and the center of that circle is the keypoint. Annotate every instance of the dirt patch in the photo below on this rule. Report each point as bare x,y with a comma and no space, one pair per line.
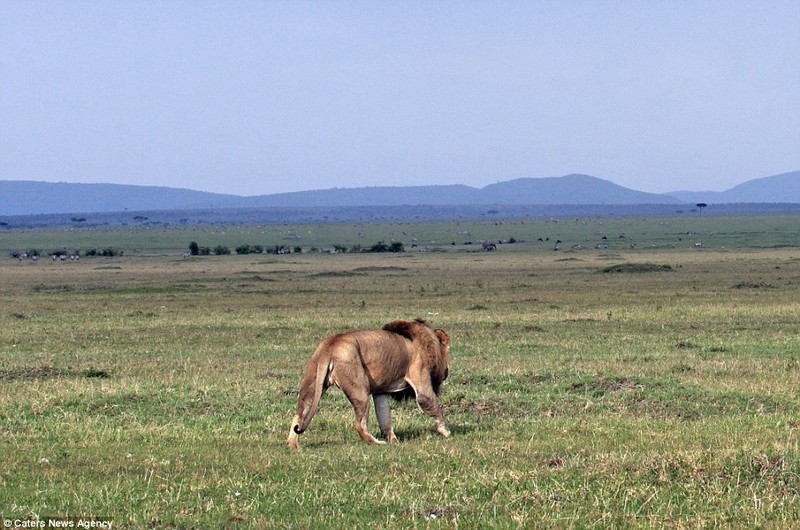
636,268
753,285
48,372
34,373
601,385
380,269
335,274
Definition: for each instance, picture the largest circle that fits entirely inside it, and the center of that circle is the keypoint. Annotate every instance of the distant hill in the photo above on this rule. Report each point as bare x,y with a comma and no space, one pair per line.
20,197
28,198
571,189
783,188
372,196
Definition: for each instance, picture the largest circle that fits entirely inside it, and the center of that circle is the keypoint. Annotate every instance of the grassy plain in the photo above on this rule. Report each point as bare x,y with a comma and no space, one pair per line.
158,390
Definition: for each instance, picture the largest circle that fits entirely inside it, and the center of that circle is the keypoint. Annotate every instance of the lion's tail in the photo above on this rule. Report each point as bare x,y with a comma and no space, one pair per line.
314,385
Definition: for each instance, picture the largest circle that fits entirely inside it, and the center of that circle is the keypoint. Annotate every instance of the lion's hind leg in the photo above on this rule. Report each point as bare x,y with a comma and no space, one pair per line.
356,390
384,415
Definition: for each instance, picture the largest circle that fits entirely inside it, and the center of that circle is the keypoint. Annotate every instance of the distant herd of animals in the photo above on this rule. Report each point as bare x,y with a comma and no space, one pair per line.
35,257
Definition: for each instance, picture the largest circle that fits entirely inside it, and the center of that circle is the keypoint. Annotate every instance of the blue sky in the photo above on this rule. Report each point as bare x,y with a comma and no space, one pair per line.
269,96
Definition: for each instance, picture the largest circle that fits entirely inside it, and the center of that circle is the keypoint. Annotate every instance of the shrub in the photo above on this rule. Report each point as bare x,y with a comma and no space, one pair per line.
93,252
249,249
106,252
380,246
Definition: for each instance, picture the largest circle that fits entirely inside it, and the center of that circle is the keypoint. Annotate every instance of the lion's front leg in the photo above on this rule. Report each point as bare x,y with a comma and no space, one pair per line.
384,415
433,408
427,401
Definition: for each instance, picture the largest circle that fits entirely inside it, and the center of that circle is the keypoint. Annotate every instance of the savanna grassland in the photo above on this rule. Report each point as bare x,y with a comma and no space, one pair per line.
629,379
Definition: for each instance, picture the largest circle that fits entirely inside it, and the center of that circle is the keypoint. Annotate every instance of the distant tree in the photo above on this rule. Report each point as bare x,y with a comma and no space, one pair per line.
249,249
380,246
92,252
78,219
221,250
700,206
278,249
194,248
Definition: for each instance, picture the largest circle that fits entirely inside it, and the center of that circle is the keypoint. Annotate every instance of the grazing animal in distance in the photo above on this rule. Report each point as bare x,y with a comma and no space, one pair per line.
404,356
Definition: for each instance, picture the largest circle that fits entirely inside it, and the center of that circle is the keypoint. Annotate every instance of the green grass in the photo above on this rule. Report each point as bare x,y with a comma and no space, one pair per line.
582,234
158,391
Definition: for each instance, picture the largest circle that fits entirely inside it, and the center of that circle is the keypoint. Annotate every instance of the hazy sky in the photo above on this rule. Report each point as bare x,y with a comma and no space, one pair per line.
266,96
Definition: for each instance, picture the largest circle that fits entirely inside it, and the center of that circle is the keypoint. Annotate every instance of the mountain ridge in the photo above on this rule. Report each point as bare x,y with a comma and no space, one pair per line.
20,197
781,188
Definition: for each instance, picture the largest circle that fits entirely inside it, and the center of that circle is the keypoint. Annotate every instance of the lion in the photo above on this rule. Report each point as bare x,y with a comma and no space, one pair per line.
403,357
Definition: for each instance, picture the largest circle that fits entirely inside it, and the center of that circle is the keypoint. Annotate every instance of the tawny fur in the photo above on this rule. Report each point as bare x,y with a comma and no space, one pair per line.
404,355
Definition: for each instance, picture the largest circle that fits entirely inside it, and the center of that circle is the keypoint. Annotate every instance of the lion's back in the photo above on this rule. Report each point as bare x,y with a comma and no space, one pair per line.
385,356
